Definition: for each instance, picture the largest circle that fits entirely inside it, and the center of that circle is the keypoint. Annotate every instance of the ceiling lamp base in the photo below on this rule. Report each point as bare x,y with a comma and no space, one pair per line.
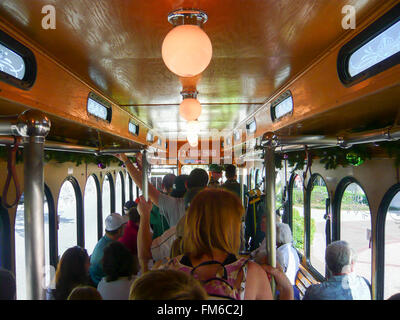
187,16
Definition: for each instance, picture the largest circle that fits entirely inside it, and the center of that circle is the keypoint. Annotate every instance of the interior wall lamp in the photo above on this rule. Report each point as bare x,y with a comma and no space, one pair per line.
187,49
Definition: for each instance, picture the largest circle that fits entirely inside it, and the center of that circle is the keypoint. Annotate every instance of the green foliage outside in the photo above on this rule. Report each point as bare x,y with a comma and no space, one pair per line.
298,230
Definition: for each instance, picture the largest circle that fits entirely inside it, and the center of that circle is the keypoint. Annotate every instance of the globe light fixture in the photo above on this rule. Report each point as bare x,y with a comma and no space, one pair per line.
187,49
190,108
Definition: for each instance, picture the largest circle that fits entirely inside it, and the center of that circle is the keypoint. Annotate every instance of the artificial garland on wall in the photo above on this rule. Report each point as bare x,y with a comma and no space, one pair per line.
64,156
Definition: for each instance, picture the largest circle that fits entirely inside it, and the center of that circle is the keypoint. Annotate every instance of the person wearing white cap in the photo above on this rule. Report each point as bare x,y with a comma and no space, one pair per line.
114,224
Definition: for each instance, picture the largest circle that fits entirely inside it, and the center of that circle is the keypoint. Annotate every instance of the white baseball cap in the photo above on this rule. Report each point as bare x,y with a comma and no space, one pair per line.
114,221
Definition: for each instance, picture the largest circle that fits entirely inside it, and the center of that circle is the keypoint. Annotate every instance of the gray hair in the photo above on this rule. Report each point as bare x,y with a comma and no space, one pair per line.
283,233
339,256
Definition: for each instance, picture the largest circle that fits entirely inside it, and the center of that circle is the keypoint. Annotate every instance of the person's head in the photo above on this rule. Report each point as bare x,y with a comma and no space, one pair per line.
230,171
8,286
213,222
197,178
169,284
395,297
84,293
215,171
114,225
132,213
168,183
128,205
340,257
179,187
117,261
72,270
283,234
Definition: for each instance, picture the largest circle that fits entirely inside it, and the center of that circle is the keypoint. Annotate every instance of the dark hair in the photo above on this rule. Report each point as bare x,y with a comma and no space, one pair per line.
230,171
179,186
168,181
117,261
197,178
8,286
71,272
134,215
85,293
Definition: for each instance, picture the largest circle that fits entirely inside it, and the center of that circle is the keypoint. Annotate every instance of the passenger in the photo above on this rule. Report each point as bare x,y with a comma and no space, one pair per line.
167,285
85,293
158,222
118,266
179,187
343,284
8,287
216,174
231,183
212,234
113,231
172,208
72,271
395,297
129,238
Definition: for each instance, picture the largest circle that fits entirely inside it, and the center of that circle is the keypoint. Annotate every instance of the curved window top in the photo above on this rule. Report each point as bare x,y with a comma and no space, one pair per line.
17,63
372,51
282,106
251,126
98,107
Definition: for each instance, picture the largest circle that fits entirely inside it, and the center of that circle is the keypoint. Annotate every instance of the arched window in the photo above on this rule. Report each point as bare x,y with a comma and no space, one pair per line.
68,209
119,193
279,188
19,229
388,244
91,198
318,204
128,185
107,195
354,221
297,212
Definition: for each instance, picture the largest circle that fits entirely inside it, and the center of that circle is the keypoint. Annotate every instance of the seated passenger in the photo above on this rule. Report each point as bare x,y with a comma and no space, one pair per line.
211,244
129,237
72,271
8,287
343,284
85,293
118,266
113,231
167,285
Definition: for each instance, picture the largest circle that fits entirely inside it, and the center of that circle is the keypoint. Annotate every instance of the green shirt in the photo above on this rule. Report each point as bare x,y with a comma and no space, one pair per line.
158,222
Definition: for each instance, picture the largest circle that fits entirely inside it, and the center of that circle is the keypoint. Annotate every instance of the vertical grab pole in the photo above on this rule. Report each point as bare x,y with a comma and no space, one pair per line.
270,205
145,168
34,127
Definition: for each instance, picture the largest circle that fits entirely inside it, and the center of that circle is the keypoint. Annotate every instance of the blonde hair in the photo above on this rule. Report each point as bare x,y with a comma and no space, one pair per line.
84,293
167,284
213,222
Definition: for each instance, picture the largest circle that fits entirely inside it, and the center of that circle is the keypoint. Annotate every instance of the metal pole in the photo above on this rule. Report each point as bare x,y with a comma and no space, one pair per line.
36,126
145,167
270,207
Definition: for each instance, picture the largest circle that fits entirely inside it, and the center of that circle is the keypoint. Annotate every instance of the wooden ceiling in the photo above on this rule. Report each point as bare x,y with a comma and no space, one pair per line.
115,46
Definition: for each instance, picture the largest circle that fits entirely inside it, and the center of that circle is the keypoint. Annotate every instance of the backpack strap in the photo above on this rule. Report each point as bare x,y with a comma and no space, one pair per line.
206,263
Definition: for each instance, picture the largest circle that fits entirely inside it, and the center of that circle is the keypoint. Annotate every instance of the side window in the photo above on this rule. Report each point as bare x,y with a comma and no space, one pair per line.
90,213
19,229
392,246
279,188
106,197
318,200
298,213
118,193
127,187
67,218
355,226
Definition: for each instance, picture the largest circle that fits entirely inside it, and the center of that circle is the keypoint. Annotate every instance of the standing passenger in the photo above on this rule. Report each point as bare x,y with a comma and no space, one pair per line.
231,183
216,174
114,229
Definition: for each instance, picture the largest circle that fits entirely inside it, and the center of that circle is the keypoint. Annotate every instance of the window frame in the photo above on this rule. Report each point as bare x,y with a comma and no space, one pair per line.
379,240
102,102
27,55
369,33
276,102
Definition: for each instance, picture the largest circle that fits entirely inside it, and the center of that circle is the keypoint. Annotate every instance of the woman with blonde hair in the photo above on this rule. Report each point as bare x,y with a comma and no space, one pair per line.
211,242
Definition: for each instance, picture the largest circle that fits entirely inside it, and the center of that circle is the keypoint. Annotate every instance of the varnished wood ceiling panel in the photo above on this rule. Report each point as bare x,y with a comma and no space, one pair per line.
115,46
